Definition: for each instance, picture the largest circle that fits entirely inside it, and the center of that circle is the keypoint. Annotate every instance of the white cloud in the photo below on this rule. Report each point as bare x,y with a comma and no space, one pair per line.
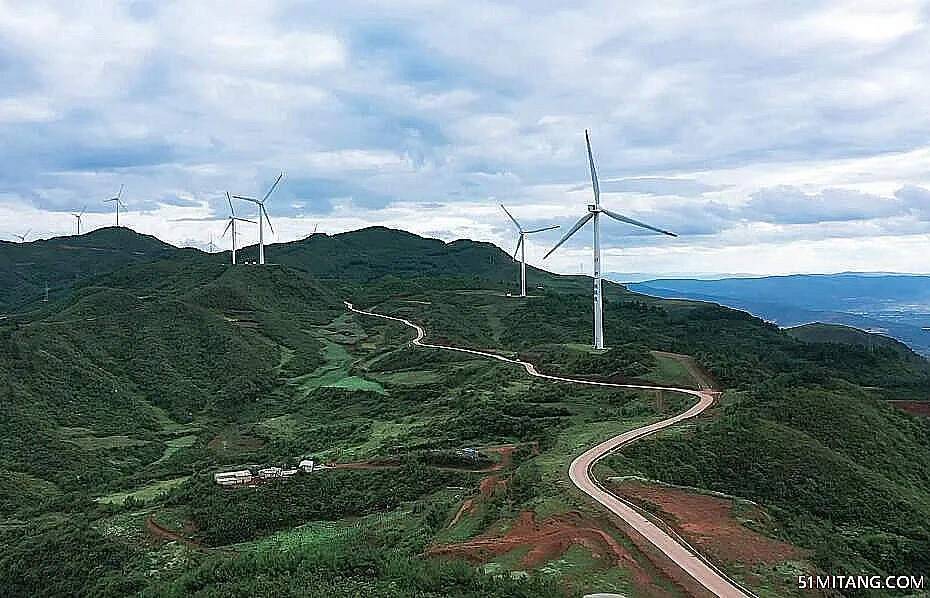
758,130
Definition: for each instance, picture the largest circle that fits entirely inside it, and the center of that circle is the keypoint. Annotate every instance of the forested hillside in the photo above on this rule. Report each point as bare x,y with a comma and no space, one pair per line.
143,376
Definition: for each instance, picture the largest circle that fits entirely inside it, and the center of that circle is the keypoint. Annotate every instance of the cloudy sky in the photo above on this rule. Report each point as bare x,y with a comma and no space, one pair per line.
774,137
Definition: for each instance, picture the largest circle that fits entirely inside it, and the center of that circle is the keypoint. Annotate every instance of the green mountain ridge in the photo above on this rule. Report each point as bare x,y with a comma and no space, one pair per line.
155,371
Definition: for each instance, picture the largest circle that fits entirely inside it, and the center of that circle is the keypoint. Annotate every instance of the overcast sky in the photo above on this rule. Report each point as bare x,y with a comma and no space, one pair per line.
774,137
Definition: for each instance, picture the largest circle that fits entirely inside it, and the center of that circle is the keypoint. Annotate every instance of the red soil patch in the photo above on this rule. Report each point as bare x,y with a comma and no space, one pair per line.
506,453
708,523
921,408
487,485
486,489
548,540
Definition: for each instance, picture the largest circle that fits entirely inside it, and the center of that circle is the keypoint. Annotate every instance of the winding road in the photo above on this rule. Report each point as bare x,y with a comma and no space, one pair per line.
579,471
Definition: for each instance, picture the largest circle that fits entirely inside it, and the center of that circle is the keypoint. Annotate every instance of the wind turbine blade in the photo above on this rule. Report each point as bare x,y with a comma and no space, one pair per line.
121,203
229,200
579,224
623,218
539,230
120,194
267,220
275,184
243,220
517,248
512,219
597,189
252,199
228,224
84,209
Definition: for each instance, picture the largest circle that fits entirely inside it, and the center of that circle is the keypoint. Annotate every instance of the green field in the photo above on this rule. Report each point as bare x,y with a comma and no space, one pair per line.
144,493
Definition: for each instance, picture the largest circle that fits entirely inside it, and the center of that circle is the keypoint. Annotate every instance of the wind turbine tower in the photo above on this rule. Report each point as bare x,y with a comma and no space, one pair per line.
262,213
594,212
118,201
78,216
232,225
521,247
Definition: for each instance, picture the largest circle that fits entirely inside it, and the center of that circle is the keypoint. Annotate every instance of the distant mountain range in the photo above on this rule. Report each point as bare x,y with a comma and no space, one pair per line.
893,304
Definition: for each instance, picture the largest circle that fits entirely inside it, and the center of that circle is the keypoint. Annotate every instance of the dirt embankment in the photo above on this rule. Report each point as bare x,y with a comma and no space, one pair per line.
548,540
712,524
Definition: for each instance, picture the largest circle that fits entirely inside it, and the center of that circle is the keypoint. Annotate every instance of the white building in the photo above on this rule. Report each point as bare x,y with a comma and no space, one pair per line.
270,472
233,478
306,465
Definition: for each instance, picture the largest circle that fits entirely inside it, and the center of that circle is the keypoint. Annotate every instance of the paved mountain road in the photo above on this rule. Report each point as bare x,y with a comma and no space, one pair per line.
580,469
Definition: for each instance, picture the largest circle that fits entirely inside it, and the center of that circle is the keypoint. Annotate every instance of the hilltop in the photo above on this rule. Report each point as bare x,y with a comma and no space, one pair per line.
355,256
62,262
132,386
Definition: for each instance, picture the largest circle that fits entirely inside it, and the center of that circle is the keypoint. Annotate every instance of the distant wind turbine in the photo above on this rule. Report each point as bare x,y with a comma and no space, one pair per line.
232,225
594,211
22,237
118,201
78,216
262,213
521,247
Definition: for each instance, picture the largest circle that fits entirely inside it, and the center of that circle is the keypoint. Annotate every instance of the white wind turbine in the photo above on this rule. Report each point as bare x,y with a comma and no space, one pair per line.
594,211
78,216
232,225
22,237
521,247
261,213
118,203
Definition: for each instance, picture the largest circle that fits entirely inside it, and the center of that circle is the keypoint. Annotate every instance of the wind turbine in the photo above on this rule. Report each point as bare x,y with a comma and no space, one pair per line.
521,247
22,237
262,212
594,211
232,224
118,202
78,216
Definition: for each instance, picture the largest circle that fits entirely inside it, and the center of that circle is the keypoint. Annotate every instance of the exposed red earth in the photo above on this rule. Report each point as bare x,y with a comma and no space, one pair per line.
921,408
709,524
548,540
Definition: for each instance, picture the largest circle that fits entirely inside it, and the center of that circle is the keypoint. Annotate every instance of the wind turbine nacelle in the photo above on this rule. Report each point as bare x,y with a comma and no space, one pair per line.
592,207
